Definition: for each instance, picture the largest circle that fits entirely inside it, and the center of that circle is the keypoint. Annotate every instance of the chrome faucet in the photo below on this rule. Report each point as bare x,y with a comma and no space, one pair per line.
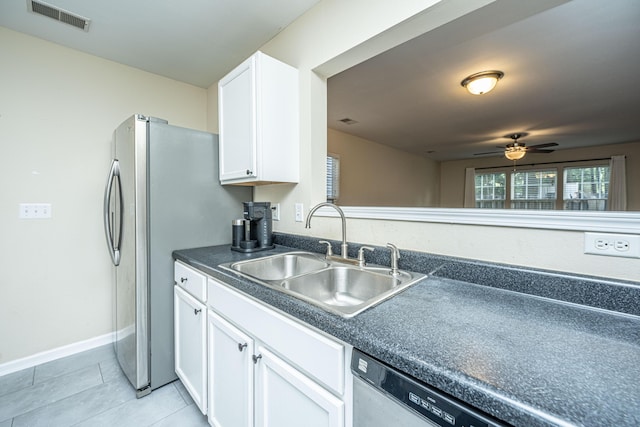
395,255
361,260
344,225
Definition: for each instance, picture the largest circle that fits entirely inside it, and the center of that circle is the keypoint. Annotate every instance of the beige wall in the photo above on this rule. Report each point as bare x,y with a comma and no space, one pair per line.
58,109
373,174
452,172
353,32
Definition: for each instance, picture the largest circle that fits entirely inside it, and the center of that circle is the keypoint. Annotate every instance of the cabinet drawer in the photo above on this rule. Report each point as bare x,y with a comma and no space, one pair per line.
190,280
317,355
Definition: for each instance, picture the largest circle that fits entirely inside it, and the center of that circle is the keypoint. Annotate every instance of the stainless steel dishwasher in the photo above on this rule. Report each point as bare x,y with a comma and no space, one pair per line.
383,397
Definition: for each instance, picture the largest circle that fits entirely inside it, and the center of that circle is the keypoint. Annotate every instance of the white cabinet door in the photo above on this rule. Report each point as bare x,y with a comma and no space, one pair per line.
287,398
258,118
321,358
190,345
230,374
237,107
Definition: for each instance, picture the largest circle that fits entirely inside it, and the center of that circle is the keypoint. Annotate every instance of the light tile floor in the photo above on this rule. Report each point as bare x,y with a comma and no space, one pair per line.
89,389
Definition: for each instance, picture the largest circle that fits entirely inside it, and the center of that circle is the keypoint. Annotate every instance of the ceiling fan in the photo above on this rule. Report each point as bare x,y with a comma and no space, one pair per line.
516,150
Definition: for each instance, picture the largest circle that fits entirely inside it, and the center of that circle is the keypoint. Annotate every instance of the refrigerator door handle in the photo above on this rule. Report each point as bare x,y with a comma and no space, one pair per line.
114,246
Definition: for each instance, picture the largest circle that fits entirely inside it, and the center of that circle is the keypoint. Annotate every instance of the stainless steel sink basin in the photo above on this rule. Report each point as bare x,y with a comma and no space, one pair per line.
339,288
281,266
347,290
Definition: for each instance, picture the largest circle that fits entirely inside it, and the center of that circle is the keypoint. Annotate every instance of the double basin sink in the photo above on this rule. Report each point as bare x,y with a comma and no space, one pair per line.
340,288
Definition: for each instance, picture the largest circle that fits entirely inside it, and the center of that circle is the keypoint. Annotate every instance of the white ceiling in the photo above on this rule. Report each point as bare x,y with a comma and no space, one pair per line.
193,41
571,77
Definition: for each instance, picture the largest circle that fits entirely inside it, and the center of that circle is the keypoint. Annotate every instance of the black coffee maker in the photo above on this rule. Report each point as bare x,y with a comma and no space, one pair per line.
256,233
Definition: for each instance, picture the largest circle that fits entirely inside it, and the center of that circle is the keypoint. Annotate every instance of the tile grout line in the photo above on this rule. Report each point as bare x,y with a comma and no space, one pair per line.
101,374
179,393
186,405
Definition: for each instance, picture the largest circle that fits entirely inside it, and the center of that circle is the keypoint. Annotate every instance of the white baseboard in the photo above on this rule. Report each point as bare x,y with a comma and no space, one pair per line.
56,353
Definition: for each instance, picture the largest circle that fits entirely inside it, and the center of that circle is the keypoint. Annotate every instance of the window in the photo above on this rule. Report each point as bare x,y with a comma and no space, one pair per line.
333,178
533,189
583,188
491,190
586,188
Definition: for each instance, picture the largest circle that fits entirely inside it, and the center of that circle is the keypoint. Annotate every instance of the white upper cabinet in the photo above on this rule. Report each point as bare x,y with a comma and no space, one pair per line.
259,123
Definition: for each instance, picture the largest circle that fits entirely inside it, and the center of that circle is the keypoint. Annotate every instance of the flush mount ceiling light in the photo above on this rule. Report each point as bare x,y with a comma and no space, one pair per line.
483,82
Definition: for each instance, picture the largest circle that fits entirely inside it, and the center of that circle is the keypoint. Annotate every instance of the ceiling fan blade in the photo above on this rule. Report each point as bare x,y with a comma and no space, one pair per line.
488,152
548,144
535,150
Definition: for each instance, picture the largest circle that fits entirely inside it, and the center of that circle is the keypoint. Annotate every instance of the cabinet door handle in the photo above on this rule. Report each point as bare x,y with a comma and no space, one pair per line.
242,346
249,172
183,279
256,358
196,311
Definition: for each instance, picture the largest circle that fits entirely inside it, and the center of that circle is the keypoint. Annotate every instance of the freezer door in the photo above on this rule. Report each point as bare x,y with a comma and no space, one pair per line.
188,208
132,313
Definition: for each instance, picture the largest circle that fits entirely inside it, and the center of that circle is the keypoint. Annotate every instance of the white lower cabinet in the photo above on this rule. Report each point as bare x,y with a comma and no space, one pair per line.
246,364
266,369
191,345
285,397
230,374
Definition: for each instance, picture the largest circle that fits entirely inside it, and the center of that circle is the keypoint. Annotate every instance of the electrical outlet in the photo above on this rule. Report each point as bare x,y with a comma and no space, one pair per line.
621,245
34,210
299,212
275,212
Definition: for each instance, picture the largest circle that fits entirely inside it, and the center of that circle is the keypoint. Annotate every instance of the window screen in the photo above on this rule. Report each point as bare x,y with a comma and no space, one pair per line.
534,189
491,190
586,188
333,178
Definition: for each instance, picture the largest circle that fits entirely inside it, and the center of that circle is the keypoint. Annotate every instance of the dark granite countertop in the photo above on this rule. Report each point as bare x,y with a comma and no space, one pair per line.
524,358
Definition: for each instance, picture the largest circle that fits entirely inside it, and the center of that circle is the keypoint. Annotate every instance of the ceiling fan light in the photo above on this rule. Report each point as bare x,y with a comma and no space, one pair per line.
483,82
515,153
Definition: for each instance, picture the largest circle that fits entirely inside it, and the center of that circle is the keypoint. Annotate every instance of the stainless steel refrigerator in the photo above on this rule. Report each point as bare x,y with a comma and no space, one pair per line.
162,193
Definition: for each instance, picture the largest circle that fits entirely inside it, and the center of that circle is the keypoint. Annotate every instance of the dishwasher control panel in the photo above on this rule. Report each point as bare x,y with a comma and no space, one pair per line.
421,398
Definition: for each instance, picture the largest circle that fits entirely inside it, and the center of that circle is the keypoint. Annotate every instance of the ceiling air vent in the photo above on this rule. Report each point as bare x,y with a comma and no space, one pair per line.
348,121
42,8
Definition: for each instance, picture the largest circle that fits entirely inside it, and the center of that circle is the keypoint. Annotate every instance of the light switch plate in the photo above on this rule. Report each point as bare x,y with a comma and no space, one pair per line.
299,212
34,211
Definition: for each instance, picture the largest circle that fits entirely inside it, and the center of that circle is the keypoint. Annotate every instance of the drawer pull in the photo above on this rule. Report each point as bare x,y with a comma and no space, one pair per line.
196,311
249,172
183,279
256,358
242,346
